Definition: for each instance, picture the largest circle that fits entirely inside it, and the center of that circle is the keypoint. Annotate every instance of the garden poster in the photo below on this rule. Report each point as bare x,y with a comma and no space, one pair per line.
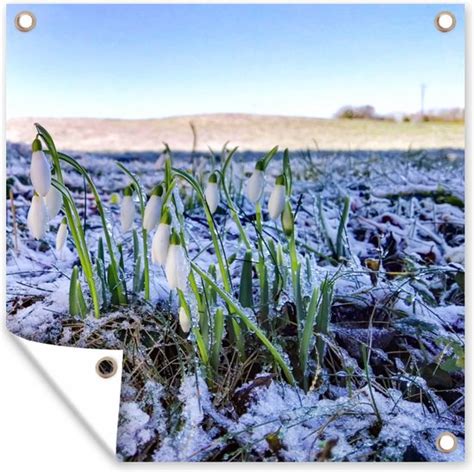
261,207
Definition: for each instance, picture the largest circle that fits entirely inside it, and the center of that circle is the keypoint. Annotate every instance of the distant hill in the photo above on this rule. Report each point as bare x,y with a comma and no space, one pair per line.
249,132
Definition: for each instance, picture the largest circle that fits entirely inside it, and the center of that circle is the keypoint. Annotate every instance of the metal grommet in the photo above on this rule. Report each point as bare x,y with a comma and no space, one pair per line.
446,442
445,21
106,367
25,21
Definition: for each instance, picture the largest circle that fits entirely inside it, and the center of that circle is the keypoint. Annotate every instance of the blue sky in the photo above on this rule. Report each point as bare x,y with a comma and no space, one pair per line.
142,61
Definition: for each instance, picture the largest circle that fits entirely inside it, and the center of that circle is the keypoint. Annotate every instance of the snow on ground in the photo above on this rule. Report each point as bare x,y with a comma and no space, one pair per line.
406,217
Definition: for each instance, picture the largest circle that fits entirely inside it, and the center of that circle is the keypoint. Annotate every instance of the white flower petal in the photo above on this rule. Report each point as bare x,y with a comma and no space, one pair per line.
255,186
212,196
276,203
127,213
152,212
61,237
37,217
40,173
160,244
177,267
54,202
184,320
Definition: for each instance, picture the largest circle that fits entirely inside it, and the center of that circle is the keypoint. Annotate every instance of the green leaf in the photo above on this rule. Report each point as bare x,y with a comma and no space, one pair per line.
269,156
100,251
287,172
114,286
100,271
77,304
100,208
245,291
324,315
341,230
237,310
138,276
308,332
218,334
136,246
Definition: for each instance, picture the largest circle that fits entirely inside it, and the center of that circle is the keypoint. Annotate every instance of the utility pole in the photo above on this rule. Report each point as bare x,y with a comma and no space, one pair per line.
422,110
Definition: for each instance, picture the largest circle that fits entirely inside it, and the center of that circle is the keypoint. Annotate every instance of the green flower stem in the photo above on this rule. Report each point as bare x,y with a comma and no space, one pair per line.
230,202
227,297
201,345
262,276
79,241
296,282
73,218
222,262
146,267
212,228
146,264
100,208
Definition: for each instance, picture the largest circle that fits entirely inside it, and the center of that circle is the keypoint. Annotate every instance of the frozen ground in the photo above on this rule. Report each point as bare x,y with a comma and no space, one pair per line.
406,213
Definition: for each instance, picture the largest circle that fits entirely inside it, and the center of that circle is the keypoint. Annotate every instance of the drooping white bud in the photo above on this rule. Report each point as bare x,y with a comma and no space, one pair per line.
127,210
184,320
161,239
212,193
256,183
54,202
37,217
276,203
40,171
177,265
160,244
61,236
153,209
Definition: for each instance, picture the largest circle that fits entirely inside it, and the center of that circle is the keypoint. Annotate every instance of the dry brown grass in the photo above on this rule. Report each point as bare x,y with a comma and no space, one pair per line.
249,132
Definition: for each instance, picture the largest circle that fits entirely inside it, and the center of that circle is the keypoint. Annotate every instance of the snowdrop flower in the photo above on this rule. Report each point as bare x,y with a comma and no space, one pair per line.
153,209
287,221
177,266
256,183
212,193
61,236
276,203
161,239
37,217
54,202
127,210
40,171
184,320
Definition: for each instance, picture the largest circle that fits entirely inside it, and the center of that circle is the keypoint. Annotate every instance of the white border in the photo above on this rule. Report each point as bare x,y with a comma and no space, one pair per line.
38,432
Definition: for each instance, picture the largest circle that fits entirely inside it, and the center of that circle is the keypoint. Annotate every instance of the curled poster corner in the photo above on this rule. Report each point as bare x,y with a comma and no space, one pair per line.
72,371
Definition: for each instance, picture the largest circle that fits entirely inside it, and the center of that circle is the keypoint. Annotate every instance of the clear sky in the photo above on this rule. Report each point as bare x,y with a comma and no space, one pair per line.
142,61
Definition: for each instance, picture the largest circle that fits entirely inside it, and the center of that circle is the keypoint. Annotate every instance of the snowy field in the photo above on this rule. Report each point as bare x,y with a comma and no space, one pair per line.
381,379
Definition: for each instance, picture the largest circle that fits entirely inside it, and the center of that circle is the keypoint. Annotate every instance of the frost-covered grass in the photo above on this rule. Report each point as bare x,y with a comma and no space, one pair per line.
380,243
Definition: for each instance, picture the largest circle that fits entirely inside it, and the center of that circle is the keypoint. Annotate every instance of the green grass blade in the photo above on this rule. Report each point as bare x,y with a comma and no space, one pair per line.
218,334
77,304
308,332
245,291
324,315
248,323
136,246
100,208
341,230
100,271
269,156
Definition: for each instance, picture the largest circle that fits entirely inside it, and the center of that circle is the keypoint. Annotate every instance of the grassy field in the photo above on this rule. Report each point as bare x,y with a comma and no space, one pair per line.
249,132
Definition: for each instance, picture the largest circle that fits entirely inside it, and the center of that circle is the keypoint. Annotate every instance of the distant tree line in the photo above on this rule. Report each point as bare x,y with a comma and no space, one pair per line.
367,112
